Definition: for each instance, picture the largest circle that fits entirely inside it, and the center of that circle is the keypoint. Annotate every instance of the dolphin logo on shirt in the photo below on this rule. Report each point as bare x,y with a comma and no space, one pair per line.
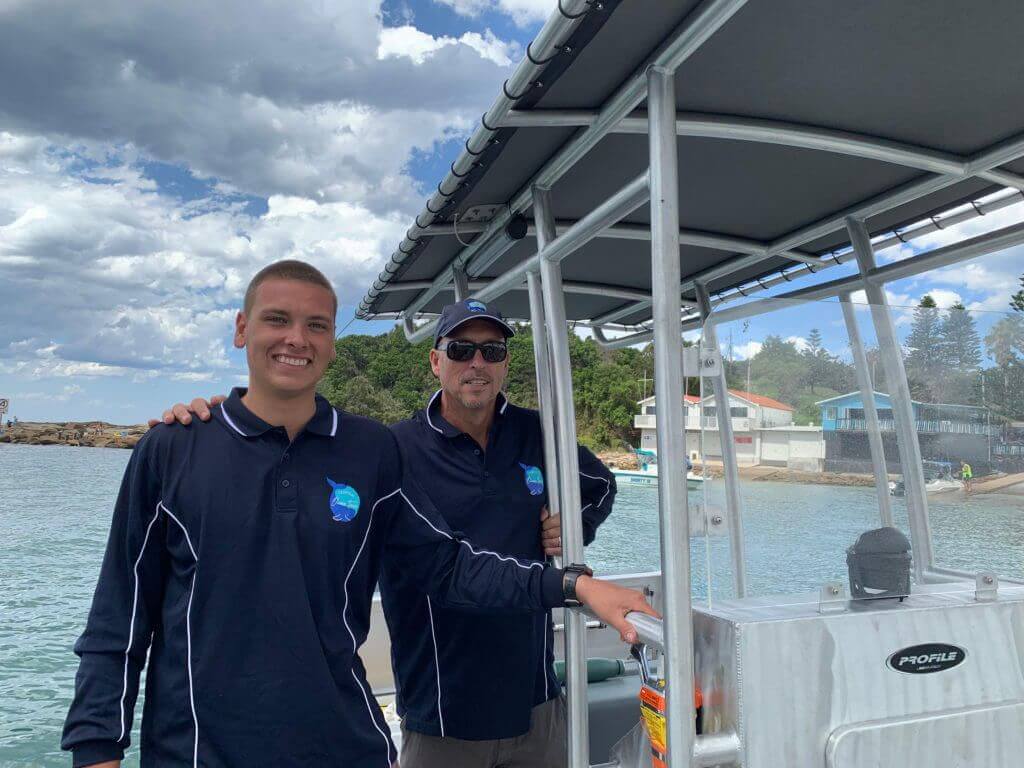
534,479
344,501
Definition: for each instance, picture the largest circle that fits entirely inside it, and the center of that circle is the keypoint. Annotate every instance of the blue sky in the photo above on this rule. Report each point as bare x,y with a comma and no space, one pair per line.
182,147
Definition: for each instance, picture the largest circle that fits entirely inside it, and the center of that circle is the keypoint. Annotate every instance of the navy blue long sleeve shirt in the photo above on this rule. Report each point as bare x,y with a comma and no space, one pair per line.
245,566
477,675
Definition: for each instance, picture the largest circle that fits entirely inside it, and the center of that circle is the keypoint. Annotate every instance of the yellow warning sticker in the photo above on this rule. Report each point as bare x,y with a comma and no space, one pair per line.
654,722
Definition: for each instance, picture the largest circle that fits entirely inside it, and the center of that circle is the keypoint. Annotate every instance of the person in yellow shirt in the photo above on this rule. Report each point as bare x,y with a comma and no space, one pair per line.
967,475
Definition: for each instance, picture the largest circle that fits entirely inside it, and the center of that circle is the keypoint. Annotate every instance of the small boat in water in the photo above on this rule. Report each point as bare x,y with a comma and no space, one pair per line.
938,476
647,471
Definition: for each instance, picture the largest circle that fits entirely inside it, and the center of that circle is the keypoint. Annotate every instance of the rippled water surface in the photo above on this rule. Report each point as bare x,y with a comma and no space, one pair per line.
55,506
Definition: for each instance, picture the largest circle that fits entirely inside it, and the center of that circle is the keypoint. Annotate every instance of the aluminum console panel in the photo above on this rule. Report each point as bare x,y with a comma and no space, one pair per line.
806,689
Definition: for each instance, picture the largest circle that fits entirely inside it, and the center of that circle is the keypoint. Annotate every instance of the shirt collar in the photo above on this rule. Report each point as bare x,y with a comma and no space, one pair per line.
438,423
248,424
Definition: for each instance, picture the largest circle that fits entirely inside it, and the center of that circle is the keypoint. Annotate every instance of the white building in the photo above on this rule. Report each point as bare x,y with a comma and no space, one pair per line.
763,431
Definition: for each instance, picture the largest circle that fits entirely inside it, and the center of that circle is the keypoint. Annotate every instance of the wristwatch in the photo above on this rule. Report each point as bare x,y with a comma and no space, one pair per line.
570,576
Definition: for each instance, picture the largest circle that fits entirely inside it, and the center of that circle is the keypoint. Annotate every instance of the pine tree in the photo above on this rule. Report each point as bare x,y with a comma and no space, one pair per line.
960,352
923,362
818,359
1017,299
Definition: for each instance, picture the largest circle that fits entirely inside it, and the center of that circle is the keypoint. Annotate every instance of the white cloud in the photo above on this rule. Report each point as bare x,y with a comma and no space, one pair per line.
113,280
523,12
798,341
297,103
743,351
418,46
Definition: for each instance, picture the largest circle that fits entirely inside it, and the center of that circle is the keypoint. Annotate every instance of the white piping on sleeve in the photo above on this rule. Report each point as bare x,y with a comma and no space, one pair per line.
469,546
224,412
188,636
351,634
437,666
369,708
334,423
131,624
607,487
544,655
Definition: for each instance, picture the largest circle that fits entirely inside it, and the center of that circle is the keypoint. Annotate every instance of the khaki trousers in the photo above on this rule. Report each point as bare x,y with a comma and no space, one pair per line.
543,746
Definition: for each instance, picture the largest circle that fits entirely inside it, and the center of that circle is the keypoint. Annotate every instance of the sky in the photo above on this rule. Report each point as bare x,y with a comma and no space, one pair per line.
153,156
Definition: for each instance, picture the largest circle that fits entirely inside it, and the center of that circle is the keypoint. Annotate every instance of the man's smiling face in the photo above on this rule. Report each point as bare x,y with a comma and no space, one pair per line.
288,336
474,383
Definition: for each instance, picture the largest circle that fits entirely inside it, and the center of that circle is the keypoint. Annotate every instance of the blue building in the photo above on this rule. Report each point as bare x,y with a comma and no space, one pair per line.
946,432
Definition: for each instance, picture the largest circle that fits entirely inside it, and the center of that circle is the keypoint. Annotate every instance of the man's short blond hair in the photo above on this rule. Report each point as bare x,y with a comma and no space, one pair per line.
288,269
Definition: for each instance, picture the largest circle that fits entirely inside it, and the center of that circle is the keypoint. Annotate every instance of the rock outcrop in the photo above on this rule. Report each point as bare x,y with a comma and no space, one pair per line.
93,434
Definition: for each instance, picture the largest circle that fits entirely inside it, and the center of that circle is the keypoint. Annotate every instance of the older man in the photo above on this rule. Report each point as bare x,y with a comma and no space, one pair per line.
478,689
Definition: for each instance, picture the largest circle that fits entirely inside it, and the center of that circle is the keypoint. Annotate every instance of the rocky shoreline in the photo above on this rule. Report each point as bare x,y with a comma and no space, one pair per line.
90,434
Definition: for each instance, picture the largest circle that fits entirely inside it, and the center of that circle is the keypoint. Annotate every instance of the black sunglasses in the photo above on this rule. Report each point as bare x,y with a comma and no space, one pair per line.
461,351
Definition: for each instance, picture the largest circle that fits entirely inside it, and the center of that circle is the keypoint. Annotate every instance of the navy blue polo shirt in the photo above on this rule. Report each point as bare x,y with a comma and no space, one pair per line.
245,565
471,674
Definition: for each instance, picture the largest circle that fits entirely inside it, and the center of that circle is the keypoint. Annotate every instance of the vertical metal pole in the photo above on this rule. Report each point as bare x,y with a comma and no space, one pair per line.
733,504
545,394
578,732
673,507
461,283
902,409
867,394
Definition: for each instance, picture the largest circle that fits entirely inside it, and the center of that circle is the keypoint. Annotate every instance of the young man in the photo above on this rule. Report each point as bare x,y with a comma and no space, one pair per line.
243,556
479,459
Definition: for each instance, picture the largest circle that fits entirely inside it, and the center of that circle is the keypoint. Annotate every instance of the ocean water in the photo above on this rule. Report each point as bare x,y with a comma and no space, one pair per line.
55,506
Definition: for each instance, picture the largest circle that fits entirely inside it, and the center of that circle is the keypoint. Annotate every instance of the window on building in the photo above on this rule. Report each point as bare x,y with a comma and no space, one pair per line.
649,410
738,412
832,413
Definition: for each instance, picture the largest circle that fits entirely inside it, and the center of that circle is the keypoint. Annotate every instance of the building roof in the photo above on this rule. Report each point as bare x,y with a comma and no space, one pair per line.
848,394
915,402
692,399
750,397
767,402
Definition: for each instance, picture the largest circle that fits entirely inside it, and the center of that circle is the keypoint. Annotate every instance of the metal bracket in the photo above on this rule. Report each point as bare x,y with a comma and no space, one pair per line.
986,587
710,362
481,213
832,598
691,361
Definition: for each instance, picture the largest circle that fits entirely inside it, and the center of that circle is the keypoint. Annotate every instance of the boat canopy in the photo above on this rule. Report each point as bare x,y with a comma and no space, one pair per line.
791,116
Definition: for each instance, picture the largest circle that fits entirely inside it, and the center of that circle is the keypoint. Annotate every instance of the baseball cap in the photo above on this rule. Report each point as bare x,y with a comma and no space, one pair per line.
454,315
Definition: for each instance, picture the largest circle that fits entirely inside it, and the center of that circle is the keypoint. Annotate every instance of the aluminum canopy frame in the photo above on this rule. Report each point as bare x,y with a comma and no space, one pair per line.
668,174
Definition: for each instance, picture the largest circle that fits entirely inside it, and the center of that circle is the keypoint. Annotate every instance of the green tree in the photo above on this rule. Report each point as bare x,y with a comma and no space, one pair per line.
1017,299
923,362
819,361
960,352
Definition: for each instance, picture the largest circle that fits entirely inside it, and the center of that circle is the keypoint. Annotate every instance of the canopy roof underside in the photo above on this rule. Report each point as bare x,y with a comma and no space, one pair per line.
943,78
